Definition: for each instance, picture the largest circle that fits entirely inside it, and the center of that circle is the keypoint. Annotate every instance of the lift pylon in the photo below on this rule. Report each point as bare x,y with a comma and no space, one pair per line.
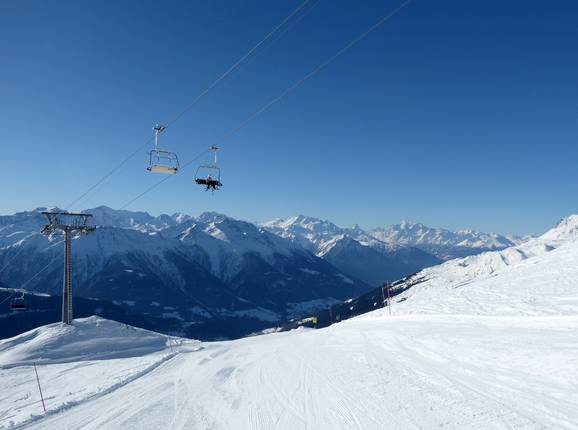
71,224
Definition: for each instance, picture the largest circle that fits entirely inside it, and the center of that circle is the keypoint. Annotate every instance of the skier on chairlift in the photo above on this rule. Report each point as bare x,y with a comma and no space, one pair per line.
211,183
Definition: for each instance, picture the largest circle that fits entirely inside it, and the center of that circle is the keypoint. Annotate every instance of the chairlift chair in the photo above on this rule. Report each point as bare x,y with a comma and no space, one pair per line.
18,304
209,175
161,160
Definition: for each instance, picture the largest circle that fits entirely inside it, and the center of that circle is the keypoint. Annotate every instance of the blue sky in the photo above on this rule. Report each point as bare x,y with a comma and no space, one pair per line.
455,114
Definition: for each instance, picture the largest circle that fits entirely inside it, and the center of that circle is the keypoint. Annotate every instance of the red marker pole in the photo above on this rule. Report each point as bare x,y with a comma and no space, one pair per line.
39,389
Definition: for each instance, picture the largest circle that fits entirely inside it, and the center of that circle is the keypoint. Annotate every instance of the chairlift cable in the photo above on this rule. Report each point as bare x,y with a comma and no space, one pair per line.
238,63
166,178
193,103
319,68
288,90
38,273
9,296
12,259
254,115
292,24
29,280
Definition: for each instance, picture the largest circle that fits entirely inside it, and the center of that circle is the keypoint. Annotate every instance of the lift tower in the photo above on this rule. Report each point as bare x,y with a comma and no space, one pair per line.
71,224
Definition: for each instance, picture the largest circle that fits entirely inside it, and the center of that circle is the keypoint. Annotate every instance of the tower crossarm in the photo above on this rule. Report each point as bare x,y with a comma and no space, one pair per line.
68,222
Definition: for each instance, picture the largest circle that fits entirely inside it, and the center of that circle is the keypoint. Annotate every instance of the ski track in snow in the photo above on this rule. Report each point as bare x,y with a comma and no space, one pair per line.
99,392
380,372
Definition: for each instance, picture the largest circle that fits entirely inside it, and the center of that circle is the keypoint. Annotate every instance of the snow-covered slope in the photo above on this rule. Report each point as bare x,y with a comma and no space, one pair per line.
539,277
90,338
419,372
82,362
485,342
374,264
226,241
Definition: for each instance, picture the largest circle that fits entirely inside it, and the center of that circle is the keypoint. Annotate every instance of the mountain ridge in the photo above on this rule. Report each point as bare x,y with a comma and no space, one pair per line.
404,248
194,270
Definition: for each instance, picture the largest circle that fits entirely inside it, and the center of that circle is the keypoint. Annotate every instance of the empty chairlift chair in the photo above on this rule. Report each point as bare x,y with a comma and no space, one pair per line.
18,304
161,160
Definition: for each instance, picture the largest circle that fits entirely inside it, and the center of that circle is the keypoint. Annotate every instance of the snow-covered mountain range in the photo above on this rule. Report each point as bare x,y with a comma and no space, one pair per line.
486,341
198,270
315,234
445,244
385,253
352,251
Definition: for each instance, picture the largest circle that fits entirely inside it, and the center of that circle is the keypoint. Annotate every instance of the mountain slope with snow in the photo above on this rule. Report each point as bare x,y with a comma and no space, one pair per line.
405,248
485,342
538,277
200,272
353,251
443,243
373,264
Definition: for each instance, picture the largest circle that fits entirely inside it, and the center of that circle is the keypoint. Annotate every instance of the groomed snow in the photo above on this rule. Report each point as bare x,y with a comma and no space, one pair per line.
487,342
76,364
400,372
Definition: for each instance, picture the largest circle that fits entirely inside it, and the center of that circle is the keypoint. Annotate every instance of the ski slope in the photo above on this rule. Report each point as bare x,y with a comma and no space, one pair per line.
486,342
538,277
373,373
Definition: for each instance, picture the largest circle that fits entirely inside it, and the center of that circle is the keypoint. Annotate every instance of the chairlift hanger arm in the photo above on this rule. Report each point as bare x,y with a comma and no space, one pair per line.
214,148
158,130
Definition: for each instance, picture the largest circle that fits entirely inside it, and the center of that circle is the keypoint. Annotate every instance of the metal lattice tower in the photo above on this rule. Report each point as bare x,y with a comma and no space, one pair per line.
71,224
